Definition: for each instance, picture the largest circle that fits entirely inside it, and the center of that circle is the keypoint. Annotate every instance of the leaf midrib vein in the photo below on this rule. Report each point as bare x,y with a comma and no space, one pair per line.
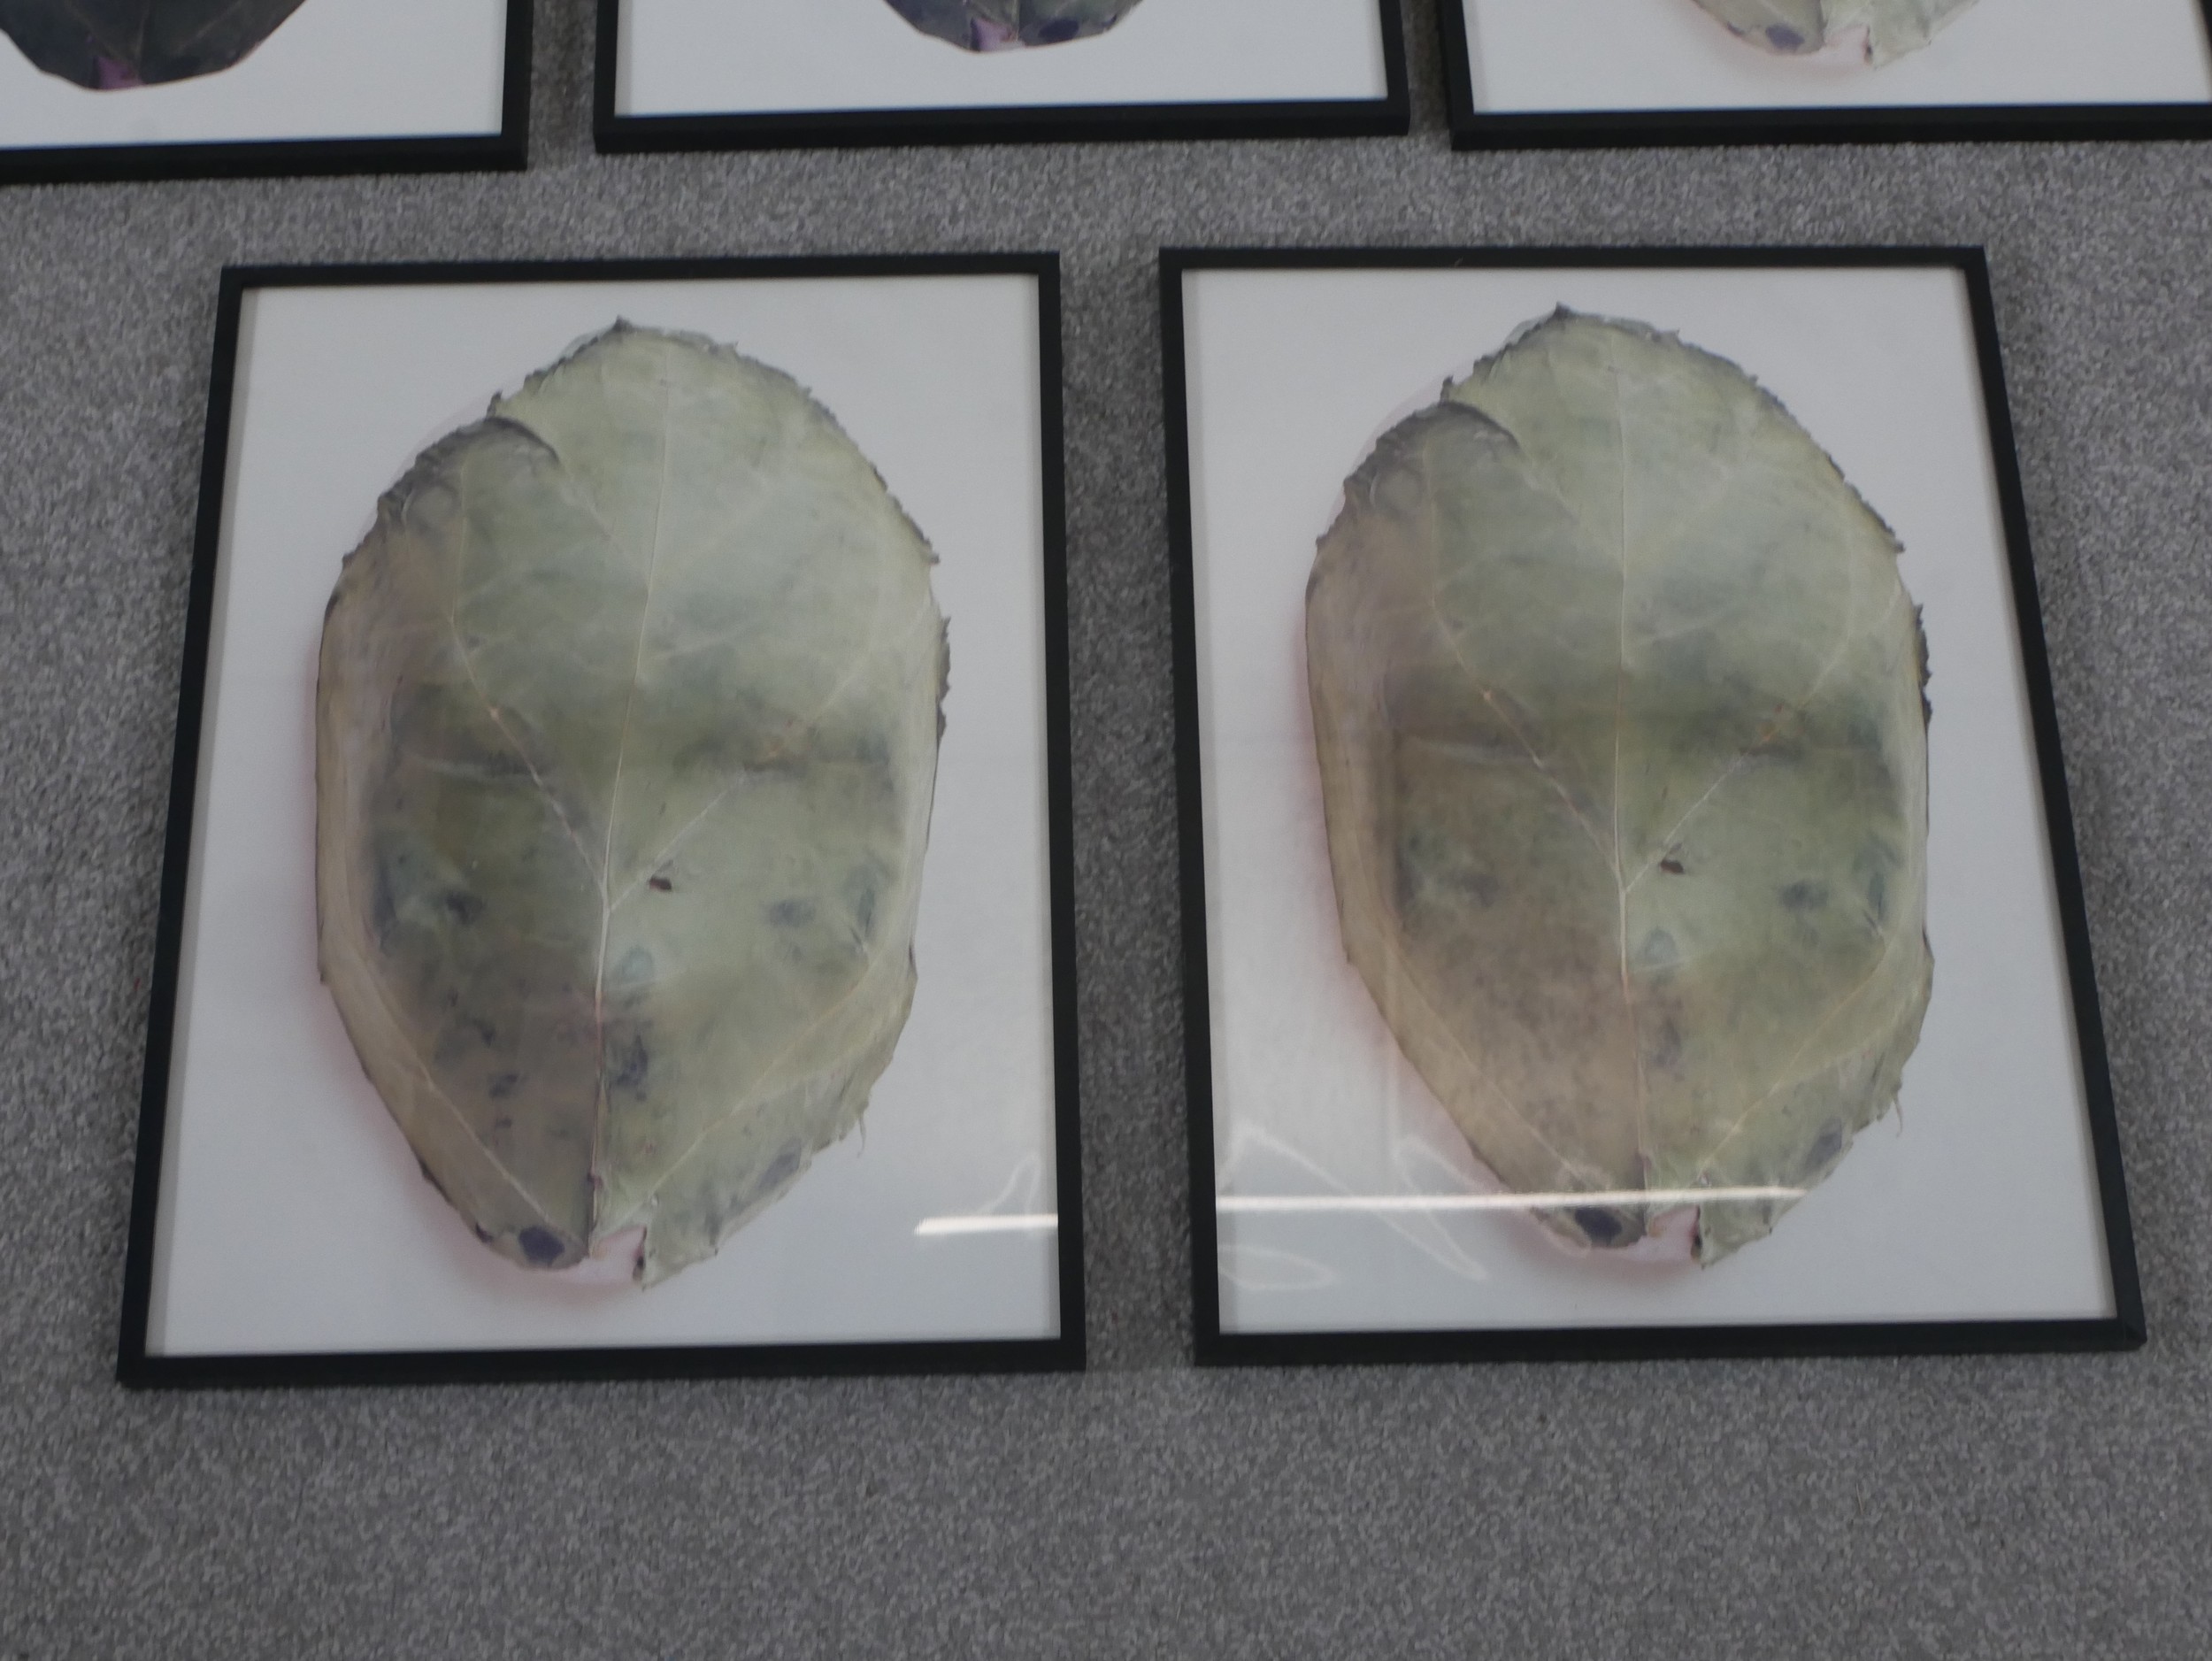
1620,712
614,800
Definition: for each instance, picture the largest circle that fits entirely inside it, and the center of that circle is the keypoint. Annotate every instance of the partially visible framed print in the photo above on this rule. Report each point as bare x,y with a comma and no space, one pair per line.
1629,898
617,920
224,88
725,74
1547,74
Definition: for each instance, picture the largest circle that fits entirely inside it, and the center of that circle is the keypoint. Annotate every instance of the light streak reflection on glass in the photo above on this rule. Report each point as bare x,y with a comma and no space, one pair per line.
1277,1203
1250,1205
1006,1223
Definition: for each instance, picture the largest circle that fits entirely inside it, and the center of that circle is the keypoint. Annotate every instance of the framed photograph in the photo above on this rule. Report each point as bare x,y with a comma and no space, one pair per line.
732,74
617,920
227,89
1554,73
1629,899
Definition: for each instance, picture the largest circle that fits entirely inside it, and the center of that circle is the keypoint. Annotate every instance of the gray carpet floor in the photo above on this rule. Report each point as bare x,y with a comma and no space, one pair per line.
2029,1508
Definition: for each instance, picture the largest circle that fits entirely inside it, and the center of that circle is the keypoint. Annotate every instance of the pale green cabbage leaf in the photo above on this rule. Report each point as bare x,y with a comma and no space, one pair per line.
1618,700
627,741
1888,28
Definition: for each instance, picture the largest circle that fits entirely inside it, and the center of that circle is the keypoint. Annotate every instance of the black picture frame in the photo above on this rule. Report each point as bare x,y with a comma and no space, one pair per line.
628,135
1474,129
2125,1329
507,150
135,1366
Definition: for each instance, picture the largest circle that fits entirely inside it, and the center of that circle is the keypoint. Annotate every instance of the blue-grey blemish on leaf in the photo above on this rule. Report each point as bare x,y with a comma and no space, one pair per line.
383,910
540,1246
784,1167
1804,896
1478,886
628,1065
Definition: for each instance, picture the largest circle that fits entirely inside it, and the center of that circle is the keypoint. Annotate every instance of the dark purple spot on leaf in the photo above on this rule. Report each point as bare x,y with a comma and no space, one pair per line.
1602,1227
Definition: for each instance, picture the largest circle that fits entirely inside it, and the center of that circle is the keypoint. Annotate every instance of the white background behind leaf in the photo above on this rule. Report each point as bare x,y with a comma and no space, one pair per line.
293,1215
733,57
1983,1203
334,69
1552,55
